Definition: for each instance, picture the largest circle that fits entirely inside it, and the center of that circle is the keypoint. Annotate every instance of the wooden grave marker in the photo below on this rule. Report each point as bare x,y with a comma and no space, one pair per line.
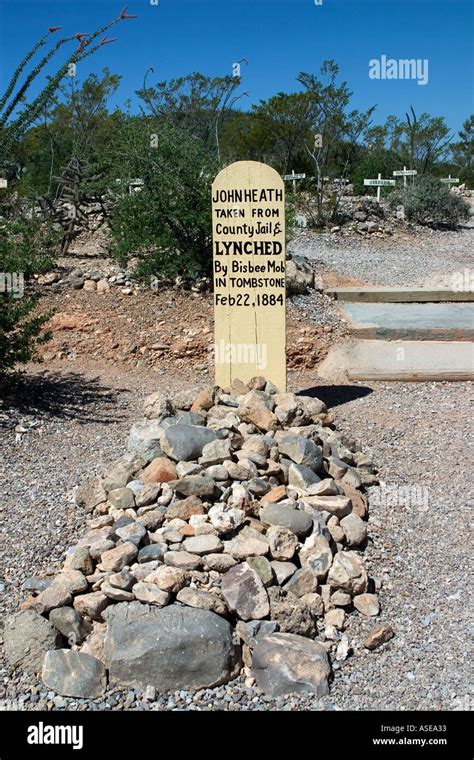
405,173
379,183
248,225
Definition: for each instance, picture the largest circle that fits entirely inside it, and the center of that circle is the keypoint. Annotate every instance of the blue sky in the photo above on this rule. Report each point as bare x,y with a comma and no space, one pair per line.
279,38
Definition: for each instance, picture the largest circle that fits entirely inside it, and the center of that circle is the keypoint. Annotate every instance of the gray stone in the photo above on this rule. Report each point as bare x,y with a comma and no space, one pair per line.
295,520
339,506
116,594
290,612
26,637
90,495
122,498
283,570
348,573
284,663
144,439
186,442
194,485
301,477
219,562
355,530
302,451
283,542
183,560
134,532
150,593
203,544
247,543
70,624
216,452
304,581
202,600
263,568
245,593
317,554
73,674
152,552
160,637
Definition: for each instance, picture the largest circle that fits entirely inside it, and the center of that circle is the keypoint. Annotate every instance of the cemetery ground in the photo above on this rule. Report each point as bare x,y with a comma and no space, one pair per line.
71,415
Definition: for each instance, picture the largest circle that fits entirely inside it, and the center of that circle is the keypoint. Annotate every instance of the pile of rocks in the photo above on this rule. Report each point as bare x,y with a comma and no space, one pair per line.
104,279
299,277
229,537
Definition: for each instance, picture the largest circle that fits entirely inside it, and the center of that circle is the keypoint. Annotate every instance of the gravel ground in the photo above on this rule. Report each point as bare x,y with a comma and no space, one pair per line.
417,434
409,259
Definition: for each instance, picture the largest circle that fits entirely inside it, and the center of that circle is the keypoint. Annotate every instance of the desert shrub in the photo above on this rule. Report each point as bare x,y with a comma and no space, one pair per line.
429,202
26,247
167,224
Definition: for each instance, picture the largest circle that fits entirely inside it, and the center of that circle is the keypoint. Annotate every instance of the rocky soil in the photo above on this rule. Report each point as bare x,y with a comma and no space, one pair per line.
409,258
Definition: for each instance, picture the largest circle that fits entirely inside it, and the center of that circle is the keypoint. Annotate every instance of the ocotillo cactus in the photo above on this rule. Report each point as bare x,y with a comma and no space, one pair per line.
16,128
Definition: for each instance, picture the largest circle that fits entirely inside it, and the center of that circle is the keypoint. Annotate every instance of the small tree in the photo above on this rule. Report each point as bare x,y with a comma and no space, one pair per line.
463,152
167,224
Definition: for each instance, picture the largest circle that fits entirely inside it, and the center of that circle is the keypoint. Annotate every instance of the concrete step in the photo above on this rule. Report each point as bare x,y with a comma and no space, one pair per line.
405,361
400,295
410,321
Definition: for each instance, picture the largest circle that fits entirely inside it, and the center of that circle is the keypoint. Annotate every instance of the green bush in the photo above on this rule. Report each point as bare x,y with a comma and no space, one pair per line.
429,202
26,247
167,224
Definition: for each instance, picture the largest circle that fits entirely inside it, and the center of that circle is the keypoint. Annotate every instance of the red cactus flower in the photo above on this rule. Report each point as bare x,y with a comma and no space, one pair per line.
124,15
80,35
54,28
106,41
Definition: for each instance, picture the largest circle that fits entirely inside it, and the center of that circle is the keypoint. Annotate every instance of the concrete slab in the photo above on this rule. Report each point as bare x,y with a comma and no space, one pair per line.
407,361
384,294
411,321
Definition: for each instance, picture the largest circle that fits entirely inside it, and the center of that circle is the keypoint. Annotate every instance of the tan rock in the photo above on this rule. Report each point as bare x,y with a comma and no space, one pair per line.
113,560
91,605
160,470
204,400
367,604
272,497
185,508
379,635
169,579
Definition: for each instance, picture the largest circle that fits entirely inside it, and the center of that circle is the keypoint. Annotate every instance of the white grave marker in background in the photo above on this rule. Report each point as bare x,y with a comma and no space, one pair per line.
379,183
450,180
294,177
405,173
